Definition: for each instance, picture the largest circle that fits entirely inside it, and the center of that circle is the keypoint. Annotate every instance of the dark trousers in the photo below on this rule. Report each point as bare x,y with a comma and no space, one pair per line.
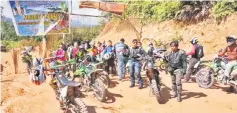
190,68
176,76
110,64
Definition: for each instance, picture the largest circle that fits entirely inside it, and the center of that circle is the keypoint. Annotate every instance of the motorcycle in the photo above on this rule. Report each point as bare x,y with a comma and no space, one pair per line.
160,63
199,65
92,78
67,92
37,73
154,79
205,77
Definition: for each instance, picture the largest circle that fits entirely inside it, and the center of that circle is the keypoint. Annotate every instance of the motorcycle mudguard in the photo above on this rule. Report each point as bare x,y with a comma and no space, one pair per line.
63,92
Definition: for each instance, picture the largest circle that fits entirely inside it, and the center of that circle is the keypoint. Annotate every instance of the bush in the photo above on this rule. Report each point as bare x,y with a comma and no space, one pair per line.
28,42
165,10
223,8
10,44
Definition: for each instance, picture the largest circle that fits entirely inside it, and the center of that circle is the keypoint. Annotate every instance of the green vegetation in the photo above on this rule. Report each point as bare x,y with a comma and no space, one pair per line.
158,11
223,8
10,44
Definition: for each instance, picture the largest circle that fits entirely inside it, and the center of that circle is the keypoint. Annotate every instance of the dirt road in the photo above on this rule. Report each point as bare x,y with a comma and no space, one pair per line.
21,96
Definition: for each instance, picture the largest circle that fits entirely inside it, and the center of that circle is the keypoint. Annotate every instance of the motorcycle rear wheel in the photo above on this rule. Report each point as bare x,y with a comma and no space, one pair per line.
205,78
80,106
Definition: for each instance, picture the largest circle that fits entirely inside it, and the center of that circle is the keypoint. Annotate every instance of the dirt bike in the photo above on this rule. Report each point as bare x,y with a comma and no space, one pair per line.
27,60
215,70
160,63
67,92
199,65
37,73
92,78
154,79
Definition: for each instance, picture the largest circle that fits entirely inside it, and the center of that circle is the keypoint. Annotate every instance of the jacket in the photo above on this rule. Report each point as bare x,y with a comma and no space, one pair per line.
136,53
108,49
176,60
121,49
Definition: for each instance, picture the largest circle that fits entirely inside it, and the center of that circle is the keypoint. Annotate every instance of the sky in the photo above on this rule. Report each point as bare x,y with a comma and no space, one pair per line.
75,9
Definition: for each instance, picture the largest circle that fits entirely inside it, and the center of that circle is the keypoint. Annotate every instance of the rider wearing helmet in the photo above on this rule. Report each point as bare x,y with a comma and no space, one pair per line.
230,53
109,57
194,59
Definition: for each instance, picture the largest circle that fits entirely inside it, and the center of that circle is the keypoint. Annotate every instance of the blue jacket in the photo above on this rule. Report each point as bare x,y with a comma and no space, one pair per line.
108,49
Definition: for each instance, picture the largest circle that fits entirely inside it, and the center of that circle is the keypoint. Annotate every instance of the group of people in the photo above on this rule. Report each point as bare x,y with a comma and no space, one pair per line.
178,66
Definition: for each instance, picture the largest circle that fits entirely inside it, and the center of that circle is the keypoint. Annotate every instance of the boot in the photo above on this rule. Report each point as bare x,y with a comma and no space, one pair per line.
179,90
132,85
231,89
174,90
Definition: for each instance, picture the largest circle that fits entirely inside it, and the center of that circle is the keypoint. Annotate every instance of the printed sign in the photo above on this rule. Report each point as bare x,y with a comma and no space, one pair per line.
33,18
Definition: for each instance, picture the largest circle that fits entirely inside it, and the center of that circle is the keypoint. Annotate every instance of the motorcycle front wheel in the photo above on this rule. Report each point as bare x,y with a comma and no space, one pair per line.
99,90
156,91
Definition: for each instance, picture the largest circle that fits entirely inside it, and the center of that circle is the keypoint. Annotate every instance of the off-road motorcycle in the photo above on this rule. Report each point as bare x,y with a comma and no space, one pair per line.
92,78
205,77
199,65
160,63
154,79
37,73
67,92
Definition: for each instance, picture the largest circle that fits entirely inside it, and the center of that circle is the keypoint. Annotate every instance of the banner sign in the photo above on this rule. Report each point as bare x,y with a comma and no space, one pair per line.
104,6
33,18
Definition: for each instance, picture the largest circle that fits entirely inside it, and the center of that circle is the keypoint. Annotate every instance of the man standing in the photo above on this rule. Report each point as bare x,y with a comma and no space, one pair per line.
230,53
135,54
177,64
195,57
121,52
110,61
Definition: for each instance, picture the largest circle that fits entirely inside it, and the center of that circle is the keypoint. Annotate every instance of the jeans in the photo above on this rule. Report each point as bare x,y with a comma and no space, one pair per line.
135,70
121,66
229,67
191,65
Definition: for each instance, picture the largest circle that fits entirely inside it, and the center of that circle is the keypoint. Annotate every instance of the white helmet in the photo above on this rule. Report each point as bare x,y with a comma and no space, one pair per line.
107,56
194,40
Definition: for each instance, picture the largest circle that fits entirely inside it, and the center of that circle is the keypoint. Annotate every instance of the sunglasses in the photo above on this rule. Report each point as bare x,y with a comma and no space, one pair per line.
230,40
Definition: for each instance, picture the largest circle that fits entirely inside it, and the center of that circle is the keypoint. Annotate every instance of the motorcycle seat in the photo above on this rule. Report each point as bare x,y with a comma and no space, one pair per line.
65,82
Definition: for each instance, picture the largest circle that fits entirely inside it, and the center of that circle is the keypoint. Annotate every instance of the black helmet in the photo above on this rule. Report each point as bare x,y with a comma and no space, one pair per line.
230,40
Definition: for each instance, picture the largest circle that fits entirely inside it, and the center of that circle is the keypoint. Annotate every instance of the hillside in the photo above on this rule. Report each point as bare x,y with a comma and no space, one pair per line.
210,35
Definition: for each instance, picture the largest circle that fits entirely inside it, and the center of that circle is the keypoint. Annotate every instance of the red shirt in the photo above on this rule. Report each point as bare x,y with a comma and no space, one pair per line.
74,52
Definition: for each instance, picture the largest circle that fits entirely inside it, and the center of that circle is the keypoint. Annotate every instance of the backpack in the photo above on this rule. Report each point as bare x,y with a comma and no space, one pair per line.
199,51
